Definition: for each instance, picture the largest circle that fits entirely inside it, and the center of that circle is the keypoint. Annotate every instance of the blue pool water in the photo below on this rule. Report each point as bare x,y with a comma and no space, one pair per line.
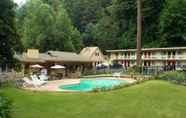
89,85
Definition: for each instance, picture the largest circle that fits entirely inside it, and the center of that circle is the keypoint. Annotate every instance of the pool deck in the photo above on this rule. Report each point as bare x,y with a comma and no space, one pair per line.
54,85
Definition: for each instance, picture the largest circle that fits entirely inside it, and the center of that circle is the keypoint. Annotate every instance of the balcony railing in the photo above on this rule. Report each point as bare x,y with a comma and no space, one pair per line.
158,57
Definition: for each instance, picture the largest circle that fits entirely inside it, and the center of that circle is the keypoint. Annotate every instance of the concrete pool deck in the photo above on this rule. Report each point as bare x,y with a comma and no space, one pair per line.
54,85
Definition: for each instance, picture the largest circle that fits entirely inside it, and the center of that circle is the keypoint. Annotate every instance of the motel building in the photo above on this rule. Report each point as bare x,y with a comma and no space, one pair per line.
74,64
175,56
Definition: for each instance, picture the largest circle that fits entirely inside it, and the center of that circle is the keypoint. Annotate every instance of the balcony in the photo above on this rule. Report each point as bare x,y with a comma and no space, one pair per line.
152,57
165,57
123,57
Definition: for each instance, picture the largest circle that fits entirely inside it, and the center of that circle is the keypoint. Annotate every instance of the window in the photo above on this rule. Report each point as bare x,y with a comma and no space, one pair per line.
149,54
117,55
169,54
145,55
128,54
173,54
125,55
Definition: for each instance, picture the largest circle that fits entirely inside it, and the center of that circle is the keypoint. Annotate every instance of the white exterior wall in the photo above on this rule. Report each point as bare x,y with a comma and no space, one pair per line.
157,57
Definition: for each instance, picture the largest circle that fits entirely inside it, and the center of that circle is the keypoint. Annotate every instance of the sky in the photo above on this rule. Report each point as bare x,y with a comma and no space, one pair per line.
19,2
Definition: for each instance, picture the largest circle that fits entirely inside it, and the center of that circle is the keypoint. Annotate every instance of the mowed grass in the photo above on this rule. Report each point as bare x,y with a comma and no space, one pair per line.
152,99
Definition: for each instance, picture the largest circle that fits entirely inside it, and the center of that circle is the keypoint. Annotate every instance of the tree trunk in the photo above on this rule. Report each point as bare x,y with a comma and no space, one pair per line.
139,31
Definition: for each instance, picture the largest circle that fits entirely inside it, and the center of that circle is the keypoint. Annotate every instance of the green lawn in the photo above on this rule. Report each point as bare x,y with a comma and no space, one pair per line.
152,99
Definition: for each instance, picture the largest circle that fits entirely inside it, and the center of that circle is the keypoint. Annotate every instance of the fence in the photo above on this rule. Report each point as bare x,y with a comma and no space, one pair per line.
153,70
9,76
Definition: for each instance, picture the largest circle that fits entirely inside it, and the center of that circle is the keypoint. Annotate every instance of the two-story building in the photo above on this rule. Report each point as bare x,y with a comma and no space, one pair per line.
175,56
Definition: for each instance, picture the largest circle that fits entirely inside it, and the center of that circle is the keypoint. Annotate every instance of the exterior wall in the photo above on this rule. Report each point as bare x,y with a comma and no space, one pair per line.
113,56
158,63
151,57
94,54
97,56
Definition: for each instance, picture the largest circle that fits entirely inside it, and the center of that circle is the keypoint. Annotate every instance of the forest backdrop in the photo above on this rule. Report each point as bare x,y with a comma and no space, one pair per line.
110,24
70,25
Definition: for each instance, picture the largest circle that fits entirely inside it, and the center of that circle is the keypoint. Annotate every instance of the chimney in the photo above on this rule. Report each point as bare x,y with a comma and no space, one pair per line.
33,53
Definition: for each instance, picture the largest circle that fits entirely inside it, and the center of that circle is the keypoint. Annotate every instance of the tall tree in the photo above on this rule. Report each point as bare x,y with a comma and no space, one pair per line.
9,39
123,14
139,32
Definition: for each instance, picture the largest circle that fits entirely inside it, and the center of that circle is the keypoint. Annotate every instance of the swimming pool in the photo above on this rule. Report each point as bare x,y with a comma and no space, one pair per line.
91,84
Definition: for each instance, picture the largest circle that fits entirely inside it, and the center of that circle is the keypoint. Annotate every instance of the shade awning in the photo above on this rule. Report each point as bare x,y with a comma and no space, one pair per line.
36,66
57,67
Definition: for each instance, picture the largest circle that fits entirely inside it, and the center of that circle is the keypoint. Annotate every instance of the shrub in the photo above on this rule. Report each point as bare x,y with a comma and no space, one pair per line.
173,76
133,71
5,105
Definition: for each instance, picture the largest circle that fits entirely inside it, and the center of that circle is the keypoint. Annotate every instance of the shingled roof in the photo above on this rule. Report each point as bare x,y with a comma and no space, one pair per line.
54,56
25,58
67,56
88,51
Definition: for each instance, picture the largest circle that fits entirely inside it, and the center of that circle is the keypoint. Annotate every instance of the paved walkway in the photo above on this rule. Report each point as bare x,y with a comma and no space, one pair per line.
54,85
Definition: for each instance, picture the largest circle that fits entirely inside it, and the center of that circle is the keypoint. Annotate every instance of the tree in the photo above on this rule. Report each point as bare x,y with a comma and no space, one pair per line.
36,24
119,20
47,26
139,32
9,39
83,12
173,23
104,33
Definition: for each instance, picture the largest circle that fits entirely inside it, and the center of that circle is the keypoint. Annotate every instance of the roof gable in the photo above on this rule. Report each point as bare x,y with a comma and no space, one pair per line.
90,52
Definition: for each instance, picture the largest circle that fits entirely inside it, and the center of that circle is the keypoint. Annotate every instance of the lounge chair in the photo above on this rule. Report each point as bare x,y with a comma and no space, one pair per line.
29,82
37,81
43,77
116,75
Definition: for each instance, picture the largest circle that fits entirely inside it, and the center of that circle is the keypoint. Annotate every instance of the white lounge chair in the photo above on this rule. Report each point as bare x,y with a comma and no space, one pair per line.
43,77
116,75
29,82
37,81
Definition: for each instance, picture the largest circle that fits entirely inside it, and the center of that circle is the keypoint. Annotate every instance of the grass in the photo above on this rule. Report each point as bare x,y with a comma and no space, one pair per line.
152,99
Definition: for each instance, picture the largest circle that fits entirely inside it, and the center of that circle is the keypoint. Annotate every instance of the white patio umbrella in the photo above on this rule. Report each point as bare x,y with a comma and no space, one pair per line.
36,66
105,64
57,67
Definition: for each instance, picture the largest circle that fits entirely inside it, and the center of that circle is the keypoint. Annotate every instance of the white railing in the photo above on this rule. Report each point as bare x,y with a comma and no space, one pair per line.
165,57
159,57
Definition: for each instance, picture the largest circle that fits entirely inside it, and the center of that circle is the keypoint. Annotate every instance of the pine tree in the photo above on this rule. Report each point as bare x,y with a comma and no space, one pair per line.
8,36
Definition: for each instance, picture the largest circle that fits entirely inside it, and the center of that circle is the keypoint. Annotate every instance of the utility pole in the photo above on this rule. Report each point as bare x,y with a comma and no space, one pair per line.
139,31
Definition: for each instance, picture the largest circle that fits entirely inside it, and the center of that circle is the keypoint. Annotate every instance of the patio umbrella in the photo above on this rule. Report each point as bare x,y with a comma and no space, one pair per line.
57,67
105,64
36,66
